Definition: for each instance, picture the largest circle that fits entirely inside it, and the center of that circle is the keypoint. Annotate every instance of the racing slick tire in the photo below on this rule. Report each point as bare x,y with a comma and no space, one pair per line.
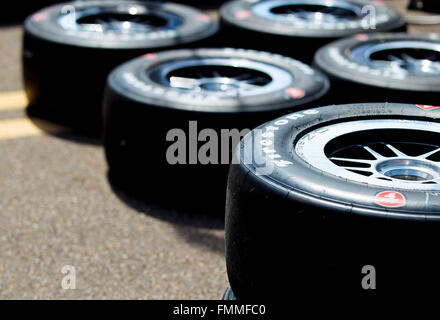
298,28
397,67
194,99
337,201
70,48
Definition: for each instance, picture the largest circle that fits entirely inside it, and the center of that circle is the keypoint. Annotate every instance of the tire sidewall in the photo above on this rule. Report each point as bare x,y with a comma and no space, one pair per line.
130,80
194,26
232,9
307,184
334,60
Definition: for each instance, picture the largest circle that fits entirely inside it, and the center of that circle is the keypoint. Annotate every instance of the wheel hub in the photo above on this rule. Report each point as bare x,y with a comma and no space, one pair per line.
409,169
219,84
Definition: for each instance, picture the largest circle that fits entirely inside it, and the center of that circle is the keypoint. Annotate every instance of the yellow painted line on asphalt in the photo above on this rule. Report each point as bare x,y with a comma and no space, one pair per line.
25,127
13,100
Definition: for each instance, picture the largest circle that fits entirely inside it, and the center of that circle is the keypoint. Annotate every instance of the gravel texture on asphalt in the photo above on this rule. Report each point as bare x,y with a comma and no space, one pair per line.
58,208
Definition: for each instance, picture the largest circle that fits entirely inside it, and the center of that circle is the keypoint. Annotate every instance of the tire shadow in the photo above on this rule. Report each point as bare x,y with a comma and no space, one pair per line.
207,239
175,211
197,225
61,131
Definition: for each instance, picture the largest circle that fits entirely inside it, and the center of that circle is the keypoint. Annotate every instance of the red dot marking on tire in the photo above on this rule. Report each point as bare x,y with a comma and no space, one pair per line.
361,37
390,199
425,107
295,93
244,14
149,56
203,17
40,16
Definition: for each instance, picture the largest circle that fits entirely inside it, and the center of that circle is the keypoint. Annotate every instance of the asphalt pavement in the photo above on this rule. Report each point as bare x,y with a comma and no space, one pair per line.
58,208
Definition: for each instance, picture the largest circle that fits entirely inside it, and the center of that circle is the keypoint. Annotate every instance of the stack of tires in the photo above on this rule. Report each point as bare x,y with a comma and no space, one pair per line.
317,200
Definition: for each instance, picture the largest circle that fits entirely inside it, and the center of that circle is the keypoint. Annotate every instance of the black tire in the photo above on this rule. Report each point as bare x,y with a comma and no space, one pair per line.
309,231
425,5
202,3
17,11
358,78
138,109
65,68
252,24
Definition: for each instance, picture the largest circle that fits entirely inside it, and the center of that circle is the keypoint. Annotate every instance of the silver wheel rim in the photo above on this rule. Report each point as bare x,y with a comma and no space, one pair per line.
120,20
381,163
327,12
246,83
404,57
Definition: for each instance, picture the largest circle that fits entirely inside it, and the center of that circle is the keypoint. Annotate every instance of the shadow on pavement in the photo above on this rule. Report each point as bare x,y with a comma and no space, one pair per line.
169,209
196,225
64,132
202,238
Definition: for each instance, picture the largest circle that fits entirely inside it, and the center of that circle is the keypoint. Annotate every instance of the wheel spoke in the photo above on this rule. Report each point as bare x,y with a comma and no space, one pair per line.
102,25
428,154
243,76
257,79
396,151
373,153
248,85
363,161
146,28
185,83
359,169
409,59
393,58
216,74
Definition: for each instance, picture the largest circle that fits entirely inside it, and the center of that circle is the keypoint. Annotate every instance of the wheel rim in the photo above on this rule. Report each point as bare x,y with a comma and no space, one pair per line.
387,153
311,12
129,19
405,57
221,76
